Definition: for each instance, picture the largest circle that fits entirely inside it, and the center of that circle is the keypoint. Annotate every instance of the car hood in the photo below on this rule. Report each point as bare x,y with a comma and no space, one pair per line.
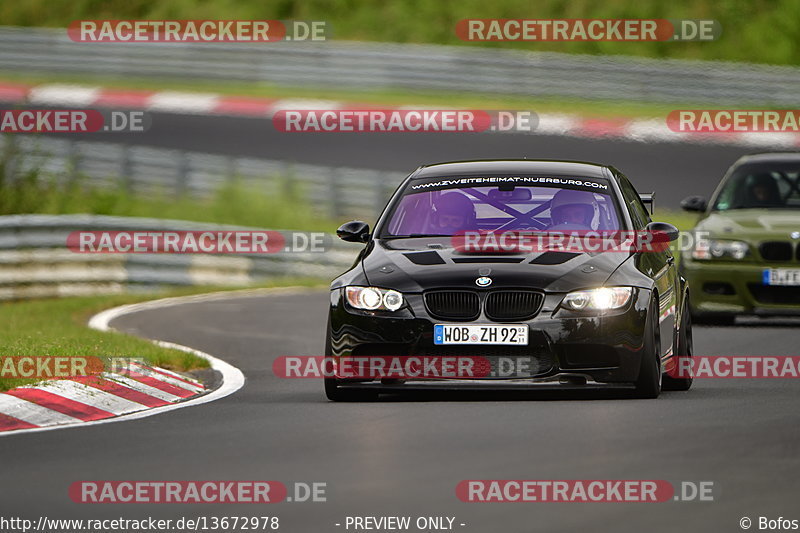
751,224
414,265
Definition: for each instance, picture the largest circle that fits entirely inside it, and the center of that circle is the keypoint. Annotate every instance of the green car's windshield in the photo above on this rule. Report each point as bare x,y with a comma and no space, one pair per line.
760,187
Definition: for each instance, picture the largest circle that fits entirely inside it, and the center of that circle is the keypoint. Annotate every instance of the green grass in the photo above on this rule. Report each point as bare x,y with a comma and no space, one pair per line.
57,327
760,31
232,203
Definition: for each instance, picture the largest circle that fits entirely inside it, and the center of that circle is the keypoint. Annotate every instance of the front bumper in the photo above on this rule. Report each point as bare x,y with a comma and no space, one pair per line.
729,287
564,348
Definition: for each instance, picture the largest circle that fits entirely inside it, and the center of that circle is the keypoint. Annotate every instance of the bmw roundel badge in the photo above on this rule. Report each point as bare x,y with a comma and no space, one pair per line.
483,281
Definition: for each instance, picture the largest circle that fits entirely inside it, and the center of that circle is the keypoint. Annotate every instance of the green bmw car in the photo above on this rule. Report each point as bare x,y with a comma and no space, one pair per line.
744,258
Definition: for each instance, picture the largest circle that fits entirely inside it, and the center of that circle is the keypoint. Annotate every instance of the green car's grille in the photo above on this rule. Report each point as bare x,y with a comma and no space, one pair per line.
776,251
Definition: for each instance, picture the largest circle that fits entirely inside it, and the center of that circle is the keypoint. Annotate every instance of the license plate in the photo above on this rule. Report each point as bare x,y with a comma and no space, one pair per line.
781,276
516,334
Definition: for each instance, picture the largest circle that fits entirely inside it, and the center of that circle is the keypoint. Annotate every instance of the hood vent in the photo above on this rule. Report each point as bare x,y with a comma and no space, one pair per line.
554,258
425,258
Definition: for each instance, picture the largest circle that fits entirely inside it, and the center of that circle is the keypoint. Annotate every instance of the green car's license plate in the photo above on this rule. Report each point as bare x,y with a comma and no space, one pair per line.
781,276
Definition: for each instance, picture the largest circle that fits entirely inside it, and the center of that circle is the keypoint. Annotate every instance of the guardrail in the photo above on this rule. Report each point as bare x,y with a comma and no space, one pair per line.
408,66
35,261
336,192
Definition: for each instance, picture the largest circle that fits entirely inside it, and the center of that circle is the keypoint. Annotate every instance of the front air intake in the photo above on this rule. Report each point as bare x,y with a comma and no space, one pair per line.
513,305
453,305
776,251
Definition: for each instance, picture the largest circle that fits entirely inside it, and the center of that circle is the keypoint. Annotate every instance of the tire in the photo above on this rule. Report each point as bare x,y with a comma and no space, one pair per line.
648,385
332,390
684,348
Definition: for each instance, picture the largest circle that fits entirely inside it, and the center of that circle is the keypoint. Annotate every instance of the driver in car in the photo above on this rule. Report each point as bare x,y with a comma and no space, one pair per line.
454,213
572,210
764,192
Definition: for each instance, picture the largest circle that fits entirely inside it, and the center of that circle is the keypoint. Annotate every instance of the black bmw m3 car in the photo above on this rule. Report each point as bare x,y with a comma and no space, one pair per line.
524,268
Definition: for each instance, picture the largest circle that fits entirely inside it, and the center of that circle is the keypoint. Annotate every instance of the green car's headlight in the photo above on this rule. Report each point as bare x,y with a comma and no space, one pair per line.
600,299
374,299
720,249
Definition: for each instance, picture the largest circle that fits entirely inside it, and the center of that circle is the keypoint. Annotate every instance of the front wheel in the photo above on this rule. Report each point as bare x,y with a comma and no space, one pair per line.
649,383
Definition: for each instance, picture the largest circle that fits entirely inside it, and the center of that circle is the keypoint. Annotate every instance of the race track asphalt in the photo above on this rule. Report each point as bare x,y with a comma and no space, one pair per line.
405,456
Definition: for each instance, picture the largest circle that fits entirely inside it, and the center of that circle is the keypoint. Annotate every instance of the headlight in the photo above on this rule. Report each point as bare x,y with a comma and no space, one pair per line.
717,249
601,299
374,299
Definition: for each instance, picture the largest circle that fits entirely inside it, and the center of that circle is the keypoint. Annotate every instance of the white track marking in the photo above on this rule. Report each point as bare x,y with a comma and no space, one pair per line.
62,94
143,388
302,104
178,102
175,375
32,414
557,124
149,372
91,396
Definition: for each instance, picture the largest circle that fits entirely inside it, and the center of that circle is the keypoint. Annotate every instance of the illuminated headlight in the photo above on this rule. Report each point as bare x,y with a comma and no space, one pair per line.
601,299
716,249
374,299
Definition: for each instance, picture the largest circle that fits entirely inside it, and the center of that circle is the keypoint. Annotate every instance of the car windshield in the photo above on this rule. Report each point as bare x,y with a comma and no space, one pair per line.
437,207
760,187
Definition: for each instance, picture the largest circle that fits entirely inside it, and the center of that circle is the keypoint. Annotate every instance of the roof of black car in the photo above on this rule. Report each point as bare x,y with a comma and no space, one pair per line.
511,167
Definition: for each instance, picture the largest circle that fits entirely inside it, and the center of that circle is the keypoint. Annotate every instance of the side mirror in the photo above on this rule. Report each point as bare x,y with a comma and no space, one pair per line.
665,228
354,231
694,203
